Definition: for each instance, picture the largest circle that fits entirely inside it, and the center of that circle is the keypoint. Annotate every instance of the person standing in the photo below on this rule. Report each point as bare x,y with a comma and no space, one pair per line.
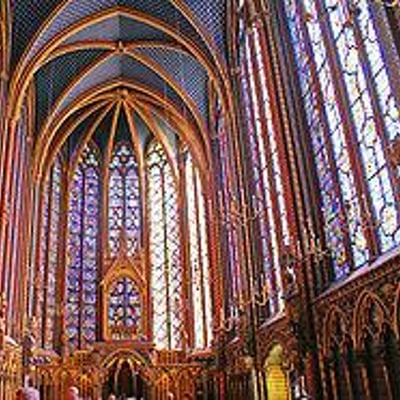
30,392
72,393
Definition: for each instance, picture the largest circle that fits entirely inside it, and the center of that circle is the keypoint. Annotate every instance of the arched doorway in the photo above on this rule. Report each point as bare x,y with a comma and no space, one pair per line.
124,380
276,375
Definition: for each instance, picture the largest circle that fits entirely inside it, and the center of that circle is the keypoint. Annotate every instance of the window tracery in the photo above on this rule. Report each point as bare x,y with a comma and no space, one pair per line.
353,116
165,249
49,254
175,271
124,310
124,199
82,265
198,259
267,190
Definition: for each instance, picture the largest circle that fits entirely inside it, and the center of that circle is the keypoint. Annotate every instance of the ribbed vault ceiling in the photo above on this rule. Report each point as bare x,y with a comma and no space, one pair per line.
154,59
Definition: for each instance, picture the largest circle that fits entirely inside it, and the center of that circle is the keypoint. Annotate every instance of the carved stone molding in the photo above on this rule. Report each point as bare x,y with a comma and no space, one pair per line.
368,300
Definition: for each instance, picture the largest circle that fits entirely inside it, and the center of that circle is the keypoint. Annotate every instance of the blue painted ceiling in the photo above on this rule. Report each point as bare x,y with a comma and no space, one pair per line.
88,57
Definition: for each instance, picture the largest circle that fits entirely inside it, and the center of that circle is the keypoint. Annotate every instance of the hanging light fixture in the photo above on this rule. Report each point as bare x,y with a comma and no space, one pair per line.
389,3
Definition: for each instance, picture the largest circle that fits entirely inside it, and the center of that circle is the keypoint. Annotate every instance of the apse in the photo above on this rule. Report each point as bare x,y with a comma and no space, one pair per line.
199,199
123,180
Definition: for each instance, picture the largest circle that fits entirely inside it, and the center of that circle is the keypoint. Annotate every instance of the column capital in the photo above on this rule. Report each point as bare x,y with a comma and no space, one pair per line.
4,76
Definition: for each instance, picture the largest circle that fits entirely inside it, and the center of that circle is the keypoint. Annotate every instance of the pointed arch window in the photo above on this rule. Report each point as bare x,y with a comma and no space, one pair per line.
165,256
353,117
124,200
267,159
83,243
49,254
198,258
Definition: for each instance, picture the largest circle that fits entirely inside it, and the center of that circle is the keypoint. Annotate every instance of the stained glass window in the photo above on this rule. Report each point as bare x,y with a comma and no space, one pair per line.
49,254
223,155
352,116
124,310
268,193
124,212
199,264
82,265
165,249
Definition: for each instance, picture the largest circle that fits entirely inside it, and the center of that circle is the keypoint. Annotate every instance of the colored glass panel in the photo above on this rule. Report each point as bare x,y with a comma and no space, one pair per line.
268,196
350,118
82,265
124,310
49,253
124,212
357,48
199,264
165,257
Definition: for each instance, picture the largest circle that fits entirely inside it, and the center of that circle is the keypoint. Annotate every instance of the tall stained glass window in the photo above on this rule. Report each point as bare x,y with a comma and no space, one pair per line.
124,310
199,263
353,117
225,178
165,254
82,264
267,160
124,211
49,254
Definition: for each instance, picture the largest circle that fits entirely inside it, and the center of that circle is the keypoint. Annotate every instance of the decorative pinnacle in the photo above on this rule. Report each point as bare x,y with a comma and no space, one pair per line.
121,47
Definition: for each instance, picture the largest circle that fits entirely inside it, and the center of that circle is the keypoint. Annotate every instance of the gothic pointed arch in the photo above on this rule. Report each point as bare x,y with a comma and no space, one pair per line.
82,267
165,254
370,318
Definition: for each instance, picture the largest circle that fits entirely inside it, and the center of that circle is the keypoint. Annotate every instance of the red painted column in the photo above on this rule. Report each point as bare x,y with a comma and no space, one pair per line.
3,133
3,147
4,199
